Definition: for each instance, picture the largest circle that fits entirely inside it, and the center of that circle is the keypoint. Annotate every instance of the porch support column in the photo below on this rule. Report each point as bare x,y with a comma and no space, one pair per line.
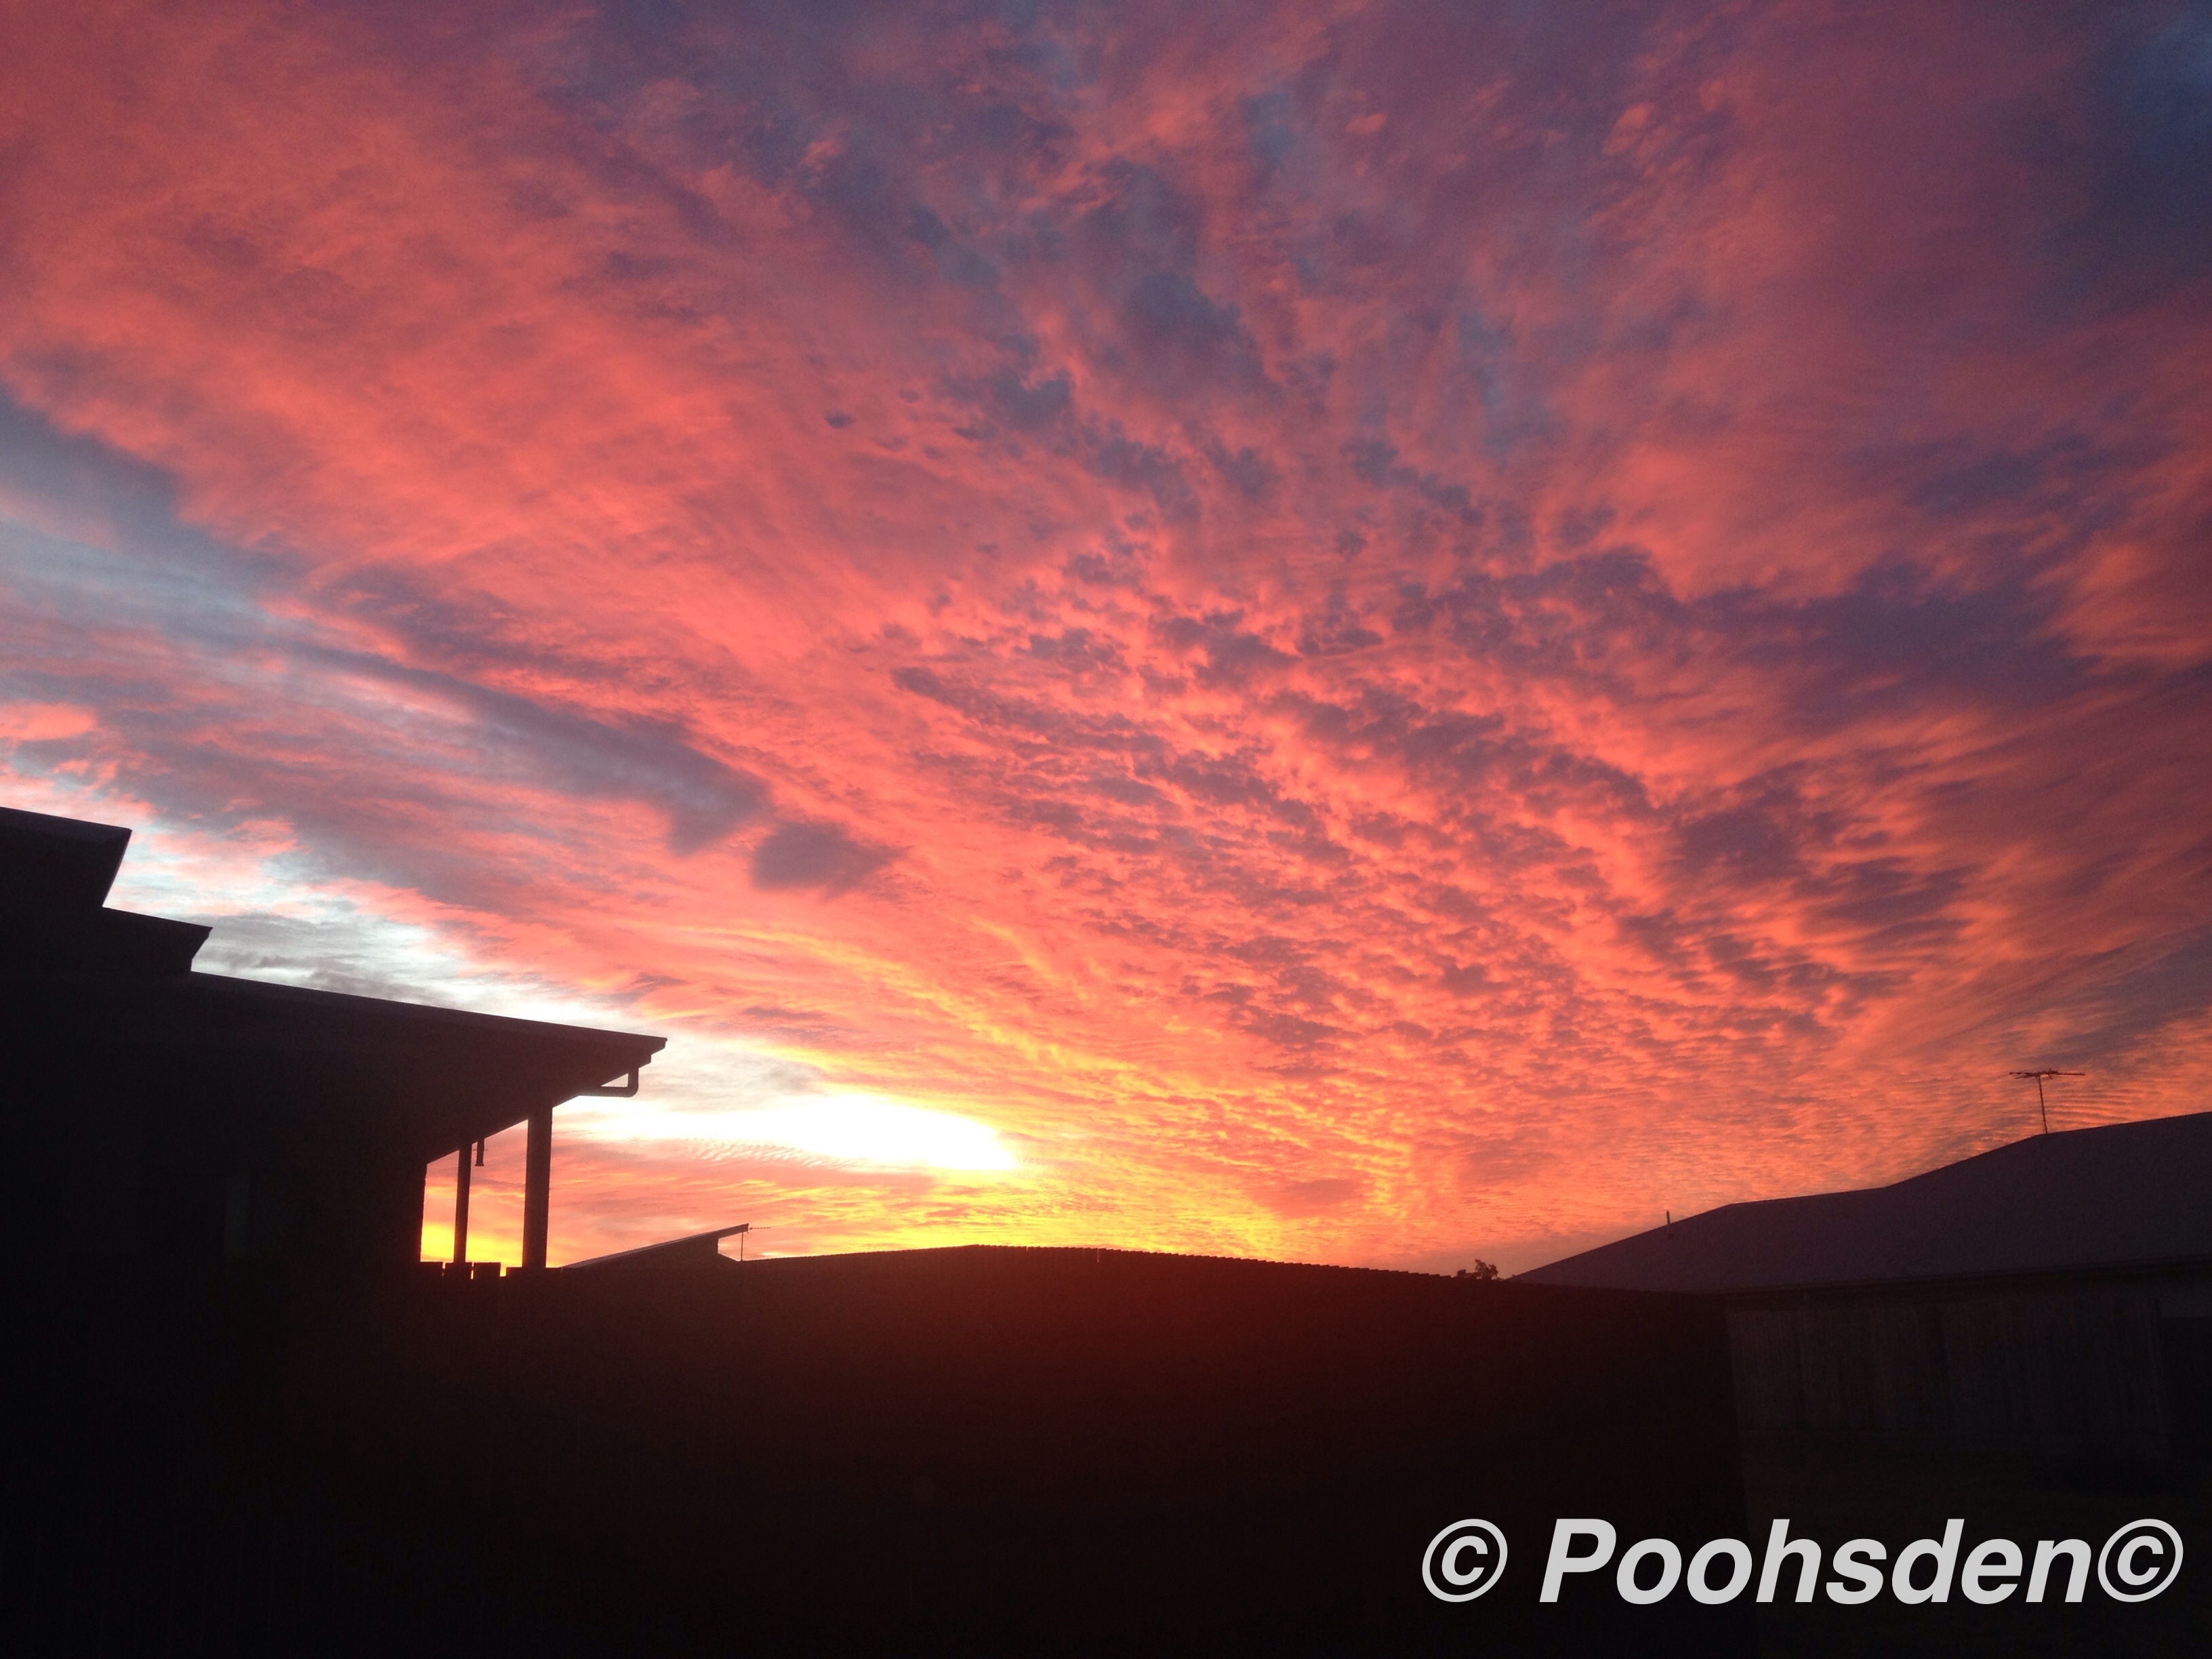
461,1207
536,1186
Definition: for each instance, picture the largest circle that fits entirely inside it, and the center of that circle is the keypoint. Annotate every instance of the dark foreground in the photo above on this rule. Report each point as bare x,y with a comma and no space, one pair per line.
971,1451
1846,1490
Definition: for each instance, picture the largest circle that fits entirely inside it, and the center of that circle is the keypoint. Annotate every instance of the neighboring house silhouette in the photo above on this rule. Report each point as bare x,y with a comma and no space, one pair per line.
2055,1294
176,1116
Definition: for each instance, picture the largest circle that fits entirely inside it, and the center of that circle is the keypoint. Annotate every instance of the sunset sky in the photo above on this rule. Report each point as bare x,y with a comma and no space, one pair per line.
1384,633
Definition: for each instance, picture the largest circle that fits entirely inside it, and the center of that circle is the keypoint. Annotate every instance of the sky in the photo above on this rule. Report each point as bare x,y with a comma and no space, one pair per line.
1387,633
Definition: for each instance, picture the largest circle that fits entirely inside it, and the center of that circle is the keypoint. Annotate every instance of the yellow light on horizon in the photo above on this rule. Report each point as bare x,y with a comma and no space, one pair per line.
845,1129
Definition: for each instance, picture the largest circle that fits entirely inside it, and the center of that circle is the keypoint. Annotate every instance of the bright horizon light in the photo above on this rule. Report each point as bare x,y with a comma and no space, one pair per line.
846,1128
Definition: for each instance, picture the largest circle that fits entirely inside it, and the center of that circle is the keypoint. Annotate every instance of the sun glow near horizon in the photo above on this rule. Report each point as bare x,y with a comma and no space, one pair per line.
863,1130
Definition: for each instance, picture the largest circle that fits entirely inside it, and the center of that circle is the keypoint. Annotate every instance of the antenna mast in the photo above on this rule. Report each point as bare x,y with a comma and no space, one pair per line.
2039,1076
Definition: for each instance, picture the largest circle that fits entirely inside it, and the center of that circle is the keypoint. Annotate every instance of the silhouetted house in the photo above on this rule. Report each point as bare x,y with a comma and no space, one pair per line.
159,1113
2055,1294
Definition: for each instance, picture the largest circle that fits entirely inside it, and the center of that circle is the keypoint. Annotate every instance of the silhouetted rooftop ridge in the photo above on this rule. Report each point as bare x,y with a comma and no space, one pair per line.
948,1254
692,1250
2120,1194
53,865
55,876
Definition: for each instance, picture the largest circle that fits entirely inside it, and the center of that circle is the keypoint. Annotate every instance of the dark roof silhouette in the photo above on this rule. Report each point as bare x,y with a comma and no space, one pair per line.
157,1101
84,967
695,1250
2128,1194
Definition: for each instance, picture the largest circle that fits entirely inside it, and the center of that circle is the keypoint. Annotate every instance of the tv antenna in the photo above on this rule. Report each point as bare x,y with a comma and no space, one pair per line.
2048,1071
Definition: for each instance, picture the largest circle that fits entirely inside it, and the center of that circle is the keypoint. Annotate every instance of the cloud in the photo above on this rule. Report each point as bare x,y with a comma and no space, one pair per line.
1314,1198
813,855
